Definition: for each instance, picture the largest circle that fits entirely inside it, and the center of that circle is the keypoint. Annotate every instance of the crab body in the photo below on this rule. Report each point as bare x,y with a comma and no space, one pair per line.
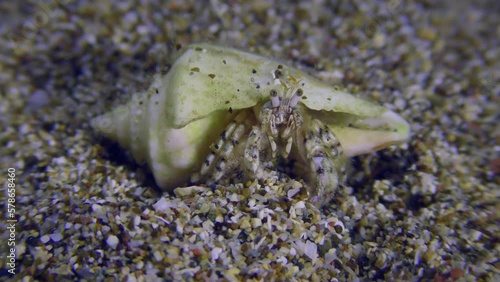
221,114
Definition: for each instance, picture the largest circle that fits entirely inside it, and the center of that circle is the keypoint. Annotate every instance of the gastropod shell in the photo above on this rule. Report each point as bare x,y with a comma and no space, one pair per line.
221,114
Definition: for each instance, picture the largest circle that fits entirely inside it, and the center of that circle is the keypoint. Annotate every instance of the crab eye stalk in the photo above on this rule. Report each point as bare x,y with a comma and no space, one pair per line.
275,99
296,97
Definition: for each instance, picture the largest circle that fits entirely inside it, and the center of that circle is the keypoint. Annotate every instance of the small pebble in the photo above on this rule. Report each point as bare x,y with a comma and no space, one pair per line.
112,241
44,239
56,237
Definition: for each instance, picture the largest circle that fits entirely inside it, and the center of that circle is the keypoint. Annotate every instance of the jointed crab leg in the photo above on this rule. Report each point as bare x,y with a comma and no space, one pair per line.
252,150
324,154
221,158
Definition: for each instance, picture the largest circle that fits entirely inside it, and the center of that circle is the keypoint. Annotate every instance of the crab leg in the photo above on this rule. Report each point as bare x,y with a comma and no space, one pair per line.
324,154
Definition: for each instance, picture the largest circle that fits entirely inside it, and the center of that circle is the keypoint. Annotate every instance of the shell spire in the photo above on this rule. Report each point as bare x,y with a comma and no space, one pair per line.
125,125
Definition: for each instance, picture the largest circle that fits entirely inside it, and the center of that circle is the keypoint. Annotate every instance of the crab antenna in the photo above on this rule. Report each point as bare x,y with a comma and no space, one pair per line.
294,100
275,99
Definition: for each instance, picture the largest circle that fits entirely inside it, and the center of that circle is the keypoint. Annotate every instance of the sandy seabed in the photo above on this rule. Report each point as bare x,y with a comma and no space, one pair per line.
425,211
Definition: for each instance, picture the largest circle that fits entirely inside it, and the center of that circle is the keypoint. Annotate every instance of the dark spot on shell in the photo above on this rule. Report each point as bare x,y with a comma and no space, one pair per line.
211,75
198,49
224,61
227,102
329,99
304,97
254,71
230,110
195,69
280,66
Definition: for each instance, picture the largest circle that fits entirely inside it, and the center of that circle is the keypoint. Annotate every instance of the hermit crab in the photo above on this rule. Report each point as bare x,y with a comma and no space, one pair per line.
220,115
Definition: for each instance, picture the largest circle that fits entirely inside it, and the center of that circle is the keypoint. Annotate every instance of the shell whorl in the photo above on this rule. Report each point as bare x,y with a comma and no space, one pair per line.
125,124
144,127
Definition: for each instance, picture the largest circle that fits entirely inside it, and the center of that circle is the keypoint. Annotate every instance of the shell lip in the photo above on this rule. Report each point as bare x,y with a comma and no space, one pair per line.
373,134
